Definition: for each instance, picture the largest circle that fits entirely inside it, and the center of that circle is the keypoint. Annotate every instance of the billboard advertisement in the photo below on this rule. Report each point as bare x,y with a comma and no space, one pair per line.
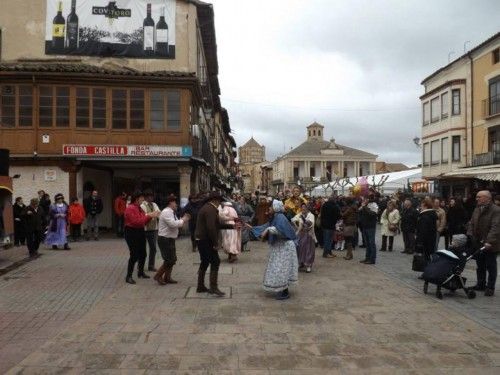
120,28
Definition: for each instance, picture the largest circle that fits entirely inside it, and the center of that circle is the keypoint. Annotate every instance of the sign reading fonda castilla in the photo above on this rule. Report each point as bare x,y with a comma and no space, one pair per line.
120,28
127,151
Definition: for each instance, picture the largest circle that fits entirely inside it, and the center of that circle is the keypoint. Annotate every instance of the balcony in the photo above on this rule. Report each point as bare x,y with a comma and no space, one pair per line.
201,149
491,106
488,158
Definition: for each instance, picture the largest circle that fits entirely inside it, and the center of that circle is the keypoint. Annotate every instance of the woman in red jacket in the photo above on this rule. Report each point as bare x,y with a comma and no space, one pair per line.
135,220
76,216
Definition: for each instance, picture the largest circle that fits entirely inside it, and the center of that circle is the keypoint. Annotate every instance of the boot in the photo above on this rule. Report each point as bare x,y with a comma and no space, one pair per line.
167,279
391,242
201,281
159,275
141,274
214,289
349,252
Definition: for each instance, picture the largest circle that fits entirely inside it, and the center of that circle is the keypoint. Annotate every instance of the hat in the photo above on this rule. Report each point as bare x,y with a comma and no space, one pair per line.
459,240
215,195
59,196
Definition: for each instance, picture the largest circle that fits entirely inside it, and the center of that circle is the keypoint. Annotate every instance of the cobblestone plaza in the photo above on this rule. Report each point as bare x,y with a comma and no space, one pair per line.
71,312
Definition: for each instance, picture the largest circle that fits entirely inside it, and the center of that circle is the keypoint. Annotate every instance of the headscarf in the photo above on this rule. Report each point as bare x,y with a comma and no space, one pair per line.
278,206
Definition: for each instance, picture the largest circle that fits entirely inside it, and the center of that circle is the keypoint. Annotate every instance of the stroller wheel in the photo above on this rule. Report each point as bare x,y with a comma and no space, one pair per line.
426,287
471,294
439,294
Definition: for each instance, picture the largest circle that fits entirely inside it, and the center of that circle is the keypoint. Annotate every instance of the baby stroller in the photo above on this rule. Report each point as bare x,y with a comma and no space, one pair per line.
445,270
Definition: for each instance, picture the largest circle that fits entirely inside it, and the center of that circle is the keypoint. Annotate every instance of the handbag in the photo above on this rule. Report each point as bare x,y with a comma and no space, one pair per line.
419,262
393,227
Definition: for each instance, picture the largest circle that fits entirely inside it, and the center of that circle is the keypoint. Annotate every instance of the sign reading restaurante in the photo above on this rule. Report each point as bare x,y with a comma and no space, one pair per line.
129,150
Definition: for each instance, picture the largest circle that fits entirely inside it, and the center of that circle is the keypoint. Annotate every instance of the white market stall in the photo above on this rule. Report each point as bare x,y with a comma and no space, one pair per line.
385,183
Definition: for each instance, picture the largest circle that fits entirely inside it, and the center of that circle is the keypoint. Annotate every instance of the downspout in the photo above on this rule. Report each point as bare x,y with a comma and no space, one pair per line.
35,115
472,109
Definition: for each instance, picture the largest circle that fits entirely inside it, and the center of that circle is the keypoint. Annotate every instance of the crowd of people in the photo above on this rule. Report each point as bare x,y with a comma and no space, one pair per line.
293,224
54,223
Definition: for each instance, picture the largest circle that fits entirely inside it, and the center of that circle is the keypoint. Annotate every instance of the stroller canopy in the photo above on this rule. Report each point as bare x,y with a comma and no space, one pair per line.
448,254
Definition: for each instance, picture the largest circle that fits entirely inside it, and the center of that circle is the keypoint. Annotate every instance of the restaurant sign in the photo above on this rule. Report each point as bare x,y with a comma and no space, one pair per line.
127,151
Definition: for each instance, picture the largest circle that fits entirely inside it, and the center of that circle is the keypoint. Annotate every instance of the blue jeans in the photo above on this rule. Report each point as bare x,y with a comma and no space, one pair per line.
327,241
371,248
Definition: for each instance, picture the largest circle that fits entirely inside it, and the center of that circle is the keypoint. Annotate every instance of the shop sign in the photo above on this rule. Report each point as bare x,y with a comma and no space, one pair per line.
50,175
127,151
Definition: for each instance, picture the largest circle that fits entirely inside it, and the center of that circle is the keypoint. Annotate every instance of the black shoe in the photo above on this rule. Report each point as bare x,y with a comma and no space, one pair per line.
152,269
369,262
54,247
489,292
143,276
215,291
363,261
130,280
66,247
283,295
478,288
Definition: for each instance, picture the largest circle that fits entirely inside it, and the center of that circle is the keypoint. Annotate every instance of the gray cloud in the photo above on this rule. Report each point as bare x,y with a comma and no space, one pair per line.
354,66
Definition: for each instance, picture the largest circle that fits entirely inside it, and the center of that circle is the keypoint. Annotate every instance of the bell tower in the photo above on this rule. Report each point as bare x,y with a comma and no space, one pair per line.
315,132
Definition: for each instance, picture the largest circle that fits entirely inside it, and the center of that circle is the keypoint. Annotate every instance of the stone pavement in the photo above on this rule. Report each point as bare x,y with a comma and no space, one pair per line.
344,318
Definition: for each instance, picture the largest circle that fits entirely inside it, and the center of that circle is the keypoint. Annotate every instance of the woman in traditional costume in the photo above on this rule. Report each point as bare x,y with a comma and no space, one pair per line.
231,238
282,266
58,216
304,222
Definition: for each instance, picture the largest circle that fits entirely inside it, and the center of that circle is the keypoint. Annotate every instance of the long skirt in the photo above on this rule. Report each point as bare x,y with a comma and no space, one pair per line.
231,241
282,267
306,250
57,233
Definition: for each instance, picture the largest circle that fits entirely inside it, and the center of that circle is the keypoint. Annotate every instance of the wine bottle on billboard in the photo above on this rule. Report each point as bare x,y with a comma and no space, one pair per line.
72,37
162,36
58,30
148,33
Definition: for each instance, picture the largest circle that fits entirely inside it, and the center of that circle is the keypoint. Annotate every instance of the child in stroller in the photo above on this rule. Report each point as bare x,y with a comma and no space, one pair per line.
446,267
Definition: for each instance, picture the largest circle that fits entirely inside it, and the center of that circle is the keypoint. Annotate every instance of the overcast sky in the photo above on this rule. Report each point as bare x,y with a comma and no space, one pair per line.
354,66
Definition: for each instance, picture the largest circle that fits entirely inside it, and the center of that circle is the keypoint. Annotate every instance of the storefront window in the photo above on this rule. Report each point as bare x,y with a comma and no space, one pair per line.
157,110
174,110
62,107
136,109
8,106
119,112
99,108
26,105
82,107
45,106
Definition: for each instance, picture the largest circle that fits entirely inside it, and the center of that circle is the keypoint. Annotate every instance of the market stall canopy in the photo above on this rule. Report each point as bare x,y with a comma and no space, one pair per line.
486,173
393,182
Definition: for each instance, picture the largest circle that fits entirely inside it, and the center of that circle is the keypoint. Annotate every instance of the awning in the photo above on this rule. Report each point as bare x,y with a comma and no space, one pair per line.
6,188
486,173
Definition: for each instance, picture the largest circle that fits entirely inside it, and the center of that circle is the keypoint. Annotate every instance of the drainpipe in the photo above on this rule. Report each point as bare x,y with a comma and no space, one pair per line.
472,108
35,115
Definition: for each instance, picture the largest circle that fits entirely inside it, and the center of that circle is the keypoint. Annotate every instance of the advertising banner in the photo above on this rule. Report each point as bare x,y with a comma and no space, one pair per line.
127,151
120,28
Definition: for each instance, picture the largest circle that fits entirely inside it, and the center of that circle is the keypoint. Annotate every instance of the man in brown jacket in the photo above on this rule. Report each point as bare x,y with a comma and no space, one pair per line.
208,228
484,228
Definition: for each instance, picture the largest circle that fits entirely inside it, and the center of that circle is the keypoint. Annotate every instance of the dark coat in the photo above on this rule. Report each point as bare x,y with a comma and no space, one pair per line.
367,217
33,219
426,231
208,225
409,218
457,219
350,216
93,206
330,214
192,209
484,226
